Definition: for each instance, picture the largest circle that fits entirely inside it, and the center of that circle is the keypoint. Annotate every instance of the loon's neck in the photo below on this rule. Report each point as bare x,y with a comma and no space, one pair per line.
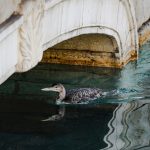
62,94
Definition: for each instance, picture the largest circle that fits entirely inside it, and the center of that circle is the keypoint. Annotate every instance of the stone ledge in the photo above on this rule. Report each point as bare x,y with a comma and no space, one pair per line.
7,9
81,57
10,25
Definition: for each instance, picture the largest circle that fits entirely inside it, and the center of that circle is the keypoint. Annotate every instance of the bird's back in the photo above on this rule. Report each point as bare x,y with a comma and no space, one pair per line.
82,94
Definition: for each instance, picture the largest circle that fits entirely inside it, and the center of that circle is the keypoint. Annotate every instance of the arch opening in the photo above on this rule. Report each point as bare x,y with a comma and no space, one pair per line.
86,49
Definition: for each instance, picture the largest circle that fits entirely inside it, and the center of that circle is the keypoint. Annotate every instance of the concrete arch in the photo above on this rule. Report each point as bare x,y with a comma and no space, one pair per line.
71,20
66,48
44,23
82,31
132,22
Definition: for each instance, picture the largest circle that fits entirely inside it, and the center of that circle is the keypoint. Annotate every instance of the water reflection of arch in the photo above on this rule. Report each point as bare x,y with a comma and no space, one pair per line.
129,127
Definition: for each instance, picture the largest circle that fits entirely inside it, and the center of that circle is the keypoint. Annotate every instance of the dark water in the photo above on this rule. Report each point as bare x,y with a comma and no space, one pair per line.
119,122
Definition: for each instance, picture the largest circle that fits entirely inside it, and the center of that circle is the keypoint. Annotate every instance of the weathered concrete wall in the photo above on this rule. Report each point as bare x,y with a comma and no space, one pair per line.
43,24
90,49
142,11
92,42
20,38
30,35
9,25
72,20
9,47
7,8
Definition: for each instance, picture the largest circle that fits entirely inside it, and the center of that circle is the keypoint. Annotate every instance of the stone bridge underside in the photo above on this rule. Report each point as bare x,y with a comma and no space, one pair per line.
103,23
86,49
81,32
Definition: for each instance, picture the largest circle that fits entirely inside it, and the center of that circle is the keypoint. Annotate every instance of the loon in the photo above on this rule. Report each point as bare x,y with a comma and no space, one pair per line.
72,96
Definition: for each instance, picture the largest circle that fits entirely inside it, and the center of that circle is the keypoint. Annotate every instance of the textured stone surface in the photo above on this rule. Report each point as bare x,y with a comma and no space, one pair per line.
30,33
142,11
144,33
47,23
7,8
90,49
77,17
9,47
91,42
82,58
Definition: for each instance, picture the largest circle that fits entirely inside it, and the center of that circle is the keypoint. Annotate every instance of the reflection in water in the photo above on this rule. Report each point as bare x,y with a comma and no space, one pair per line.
129,128
117,122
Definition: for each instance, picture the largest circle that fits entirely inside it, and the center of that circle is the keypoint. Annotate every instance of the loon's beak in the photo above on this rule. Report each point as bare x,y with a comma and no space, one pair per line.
49,89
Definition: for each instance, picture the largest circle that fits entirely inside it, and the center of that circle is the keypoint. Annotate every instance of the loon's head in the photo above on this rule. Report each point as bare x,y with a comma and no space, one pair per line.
57,88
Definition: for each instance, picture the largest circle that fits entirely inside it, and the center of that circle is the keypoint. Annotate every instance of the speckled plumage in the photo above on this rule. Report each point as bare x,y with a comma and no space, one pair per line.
80,95
72,96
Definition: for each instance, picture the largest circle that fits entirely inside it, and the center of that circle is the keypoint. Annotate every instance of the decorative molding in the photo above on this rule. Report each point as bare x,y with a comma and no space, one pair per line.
30,36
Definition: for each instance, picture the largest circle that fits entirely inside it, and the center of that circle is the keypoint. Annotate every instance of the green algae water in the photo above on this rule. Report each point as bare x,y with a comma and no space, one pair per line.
115,122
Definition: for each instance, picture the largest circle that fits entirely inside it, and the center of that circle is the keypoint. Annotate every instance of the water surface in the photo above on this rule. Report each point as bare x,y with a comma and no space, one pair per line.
119,122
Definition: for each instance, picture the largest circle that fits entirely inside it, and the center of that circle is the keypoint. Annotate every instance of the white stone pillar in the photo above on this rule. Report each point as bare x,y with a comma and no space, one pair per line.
30,41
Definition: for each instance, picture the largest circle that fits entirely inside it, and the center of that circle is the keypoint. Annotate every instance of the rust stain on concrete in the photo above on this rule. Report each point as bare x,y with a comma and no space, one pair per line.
89,50
87,58
144,38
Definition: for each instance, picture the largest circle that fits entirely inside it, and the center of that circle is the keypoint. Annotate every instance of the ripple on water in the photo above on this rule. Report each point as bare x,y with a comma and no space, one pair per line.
118,120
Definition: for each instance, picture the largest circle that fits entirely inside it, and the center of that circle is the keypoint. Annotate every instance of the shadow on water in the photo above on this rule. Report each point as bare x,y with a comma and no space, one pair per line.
114,123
